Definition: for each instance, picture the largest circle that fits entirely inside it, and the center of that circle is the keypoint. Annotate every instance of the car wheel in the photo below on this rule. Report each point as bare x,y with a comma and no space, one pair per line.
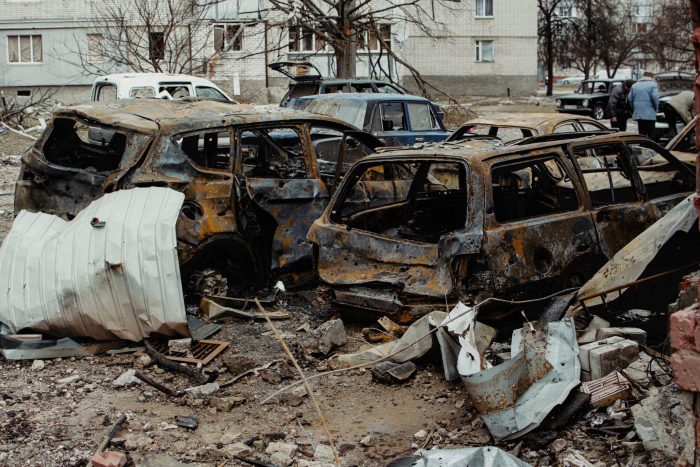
565,81
598,112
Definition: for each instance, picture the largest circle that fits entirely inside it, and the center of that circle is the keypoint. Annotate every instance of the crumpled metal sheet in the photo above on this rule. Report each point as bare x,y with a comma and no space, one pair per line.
110,273
514,398
484,456
630,262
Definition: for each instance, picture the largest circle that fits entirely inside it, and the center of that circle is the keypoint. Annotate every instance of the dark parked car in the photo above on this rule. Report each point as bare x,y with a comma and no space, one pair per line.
590,98
396,119
307,81
414,230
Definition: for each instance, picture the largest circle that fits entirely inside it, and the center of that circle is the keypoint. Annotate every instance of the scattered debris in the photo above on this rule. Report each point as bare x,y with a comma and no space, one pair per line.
390,372
200,352
514,397
125,286
222,308
325,337
486,456
600,358
187,421
606,390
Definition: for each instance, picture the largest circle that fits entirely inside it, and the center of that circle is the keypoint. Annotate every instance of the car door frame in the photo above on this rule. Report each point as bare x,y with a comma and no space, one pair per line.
541,250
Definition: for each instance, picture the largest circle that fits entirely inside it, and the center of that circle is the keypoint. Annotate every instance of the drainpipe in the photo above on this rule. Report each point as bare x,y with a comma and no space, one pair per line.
267,76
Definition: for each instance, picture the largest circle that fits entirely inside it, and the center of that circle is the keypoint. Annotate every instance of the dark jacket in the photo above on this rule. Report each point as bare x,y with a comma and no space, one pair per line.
617,104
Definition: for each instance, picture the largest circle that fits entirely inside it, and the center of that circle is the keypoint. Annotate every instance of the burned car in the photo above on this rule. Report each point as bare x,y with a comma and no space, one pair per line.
515,126
306,80
254,180
413,230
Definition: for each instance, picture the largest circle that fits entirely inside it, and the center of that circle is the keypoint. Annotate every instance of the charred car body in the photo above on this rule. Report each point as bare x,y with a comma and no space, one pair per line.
408,231
254,180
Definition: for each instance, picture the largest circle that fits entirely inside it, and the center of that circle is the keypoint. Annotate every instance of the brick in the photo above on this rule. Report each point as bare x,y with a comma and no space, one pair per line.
607,358
109,459
686,369
633,334
682,328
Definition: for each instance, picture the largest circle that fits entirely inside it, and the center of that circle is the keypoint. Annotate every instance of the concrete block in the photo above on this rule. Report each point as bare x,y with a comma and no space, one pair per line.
686,369
585,350
633,334
682,328
608,357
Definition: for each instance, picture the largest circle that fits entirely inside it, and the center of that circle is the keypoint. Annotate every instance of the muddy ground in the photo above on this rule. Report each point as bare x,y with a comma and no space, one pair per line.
58,414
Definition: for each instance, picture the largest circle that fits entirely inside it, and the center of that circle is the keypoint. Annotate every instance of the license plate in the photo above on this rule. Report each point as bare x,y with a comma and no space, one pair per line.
570,107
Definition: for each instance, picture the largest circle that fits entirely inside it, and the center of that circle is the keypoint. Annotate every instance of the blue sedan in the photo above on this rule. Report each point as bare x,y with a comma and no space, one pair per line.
395,119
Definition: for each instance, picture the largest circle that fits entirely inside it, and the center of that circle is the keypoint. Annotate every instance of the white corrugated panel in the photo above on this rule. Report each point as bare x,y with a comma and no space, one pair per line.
118,281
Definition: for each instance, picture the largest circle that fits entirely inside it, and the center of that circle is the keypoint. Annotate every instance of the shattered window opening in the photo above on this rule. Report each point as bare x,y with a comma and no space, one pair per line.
566,127
660,176
106,92
419,200
211,150
393,116
209,93
532,188
422,117
228,37
176,91
505,133
142,92
272,153
82,145
95,47
156,46
606,175
326,143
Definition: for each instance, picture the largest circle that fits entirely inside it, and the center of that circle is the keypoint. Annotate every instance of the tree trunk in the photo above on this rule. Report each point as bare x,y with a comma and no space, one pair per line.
346,60
549,52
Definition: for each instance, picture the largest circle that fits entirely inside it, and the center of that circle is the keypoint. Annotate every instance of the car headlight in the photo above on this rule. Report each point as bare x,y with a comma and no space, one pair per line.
585,102
557,102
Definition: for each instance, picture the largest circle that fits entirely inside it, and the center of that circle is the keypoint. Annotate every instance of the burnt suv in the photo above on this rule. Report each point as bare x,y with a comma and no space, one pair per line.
414,230
307,81
253,180
591,98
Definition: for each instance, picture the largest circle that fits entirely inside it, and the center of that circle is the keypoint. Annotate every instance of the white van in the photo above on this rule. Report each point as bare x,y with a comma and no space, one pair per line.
159,85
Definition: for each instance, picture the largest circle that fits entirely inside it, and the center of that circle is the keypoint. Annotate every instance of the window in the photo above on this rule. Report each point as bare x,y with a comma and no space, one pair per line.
484,51
88,146
95,51
106,92
24,49
567,127
156,45
211,150
660,176
422,117
176,91
387,88
374,42
302,39
417,200
590,126
531,188
228,37
505,133
393,117
272,153
607,174
142,91
209,93
484,8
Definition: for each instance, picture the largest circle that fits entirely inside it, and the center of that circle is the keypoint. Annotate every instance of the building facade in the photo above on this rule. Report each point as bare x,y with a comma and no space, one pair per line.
477,47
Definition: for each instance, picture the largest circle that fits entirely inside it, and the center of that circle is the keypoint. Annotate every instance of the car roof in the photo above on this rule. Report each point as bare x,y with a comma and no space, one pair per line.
478,154
178,115
524,119
360,96
150,78
354,80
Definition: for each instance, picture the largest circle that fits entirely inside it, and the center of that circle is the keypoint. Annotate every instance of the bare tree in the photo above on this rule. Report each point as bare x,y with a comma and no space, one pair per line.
348,25
144,36
620,34
550,24
583,35
667,41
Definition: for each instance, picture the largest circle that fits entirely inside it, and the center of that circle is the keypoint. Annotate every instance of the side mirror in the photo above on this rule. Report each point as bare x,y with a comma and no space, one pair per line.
387,125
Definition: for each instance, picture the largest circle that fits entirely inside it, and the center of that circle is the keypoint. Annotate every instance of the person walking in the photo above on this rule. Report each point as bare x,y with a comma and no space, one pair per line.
618,107
644,100
679,109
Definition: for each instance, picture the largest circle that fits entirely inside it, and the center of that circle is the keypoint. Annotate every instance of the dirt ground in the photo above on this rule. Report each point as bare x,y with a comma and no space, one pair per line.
57,415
